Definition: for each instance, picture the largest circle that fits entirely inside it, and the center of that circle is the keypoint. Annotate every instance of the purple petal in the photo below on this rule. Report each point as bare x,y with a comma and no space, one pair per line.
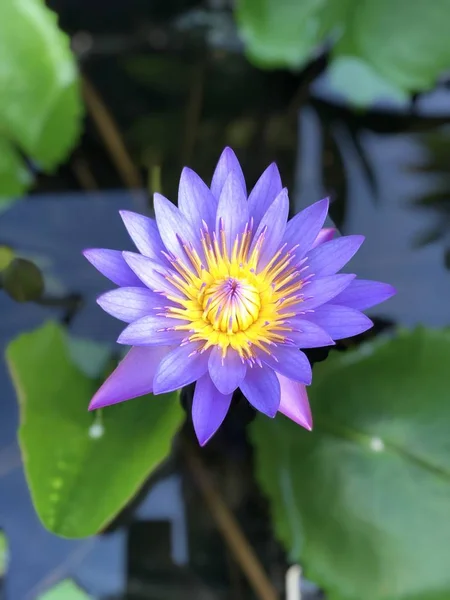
262,389
209,409
329,258
133,377
232,210
323,289
325,235
112,265
340,321
290,362
129,303
294,402
152,330
304,228
362,294
264,193
173,227
272,226
227,162
144,233
308,334
152,273
227,374
196,201
179,368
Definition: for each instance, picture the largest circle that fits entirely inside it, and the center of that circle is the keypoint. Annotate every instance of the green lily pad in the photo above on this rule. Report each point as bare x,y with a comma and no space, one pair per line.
281,33
40,103
399,46
82,470
64,590
4,554
354,76
405,42
363,502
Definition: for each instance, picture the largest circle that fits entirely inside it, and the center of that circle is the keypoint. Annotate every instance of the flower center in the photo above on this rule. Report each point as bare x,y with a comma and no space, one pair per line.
231,305
229,299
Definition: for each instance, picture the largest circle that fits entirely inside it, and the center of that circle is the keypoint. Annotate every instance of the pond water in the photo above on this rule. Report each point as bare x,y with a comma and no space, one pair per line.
376,168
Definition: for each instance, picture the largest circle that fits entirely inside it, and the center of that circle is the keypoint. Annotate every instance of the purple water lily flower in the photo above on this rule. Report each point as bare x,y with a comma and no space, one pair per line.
225,292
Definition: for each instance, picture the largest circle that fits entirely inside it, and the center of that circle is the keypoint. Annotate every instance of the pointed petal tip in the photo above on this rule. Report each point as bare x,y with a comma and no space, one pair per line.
123,338
273,169
325,202
159,199
126,215
228,154
99,401
390,290
186,172
294,402
88,253
203,439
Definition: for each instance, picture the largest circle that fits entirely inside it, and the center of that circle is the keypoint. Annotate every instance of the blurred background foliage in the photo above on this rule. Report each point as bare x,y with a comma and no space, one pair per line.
104,96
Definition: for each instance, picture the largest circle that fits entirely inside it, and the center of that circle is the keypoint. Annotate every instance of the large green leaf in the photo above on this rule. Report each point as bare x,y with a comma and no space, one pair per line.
4,555
14,176
348,73
364,500
64,590
81,472
286,32
40,106
403,43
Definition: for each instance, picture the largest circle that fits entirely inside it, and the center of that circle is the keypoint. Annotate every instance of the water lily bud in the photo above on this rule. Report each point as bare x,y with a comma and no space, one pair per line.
23,281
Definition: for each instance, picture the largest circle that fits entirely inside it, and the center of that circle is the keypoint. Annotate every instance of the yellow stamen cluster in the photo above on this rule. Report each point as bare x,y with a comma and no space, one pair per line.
227,300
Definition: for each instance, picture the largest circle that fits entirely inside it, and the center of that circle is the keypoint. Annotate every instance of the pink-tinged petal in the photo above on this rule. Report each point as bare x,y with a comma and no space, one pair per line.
325,235
144,233
227,374
130,303
227,162
152,330
112,265
196,201
133,377
262,389
173,226
307,334
323,289
362,294
232,210
272,227
179,368
340,321
304,228
209,409
290,362
151,273
329,258
264,193
294,402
